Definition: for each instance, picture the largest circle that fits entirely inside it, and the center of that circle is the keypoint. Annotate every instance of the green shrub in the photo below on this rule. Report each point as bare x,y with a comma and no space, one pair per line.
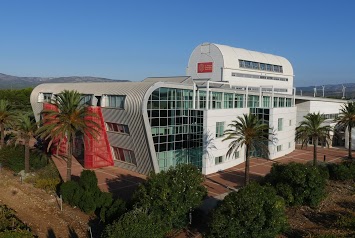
172,194
343,171
85,194
11,226
113,211
254,211
47,184
346,221
16,234
47,178
298,184
71,192
13,157
135,224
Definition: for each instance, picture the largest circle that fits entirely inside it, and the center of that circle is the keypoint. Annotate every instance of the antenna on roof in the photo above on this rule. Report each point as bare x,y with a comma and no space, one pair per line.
343,90
315,91
323,86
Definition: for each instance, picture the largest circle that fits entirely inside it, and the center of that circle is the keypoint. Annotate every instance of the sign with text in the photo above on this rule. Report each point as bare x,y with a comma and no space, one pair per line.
205,67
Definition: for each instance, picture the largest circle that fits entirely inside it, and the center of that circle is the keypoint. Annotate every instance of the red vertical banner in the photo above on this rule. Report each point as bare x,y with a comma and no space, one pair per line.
205,67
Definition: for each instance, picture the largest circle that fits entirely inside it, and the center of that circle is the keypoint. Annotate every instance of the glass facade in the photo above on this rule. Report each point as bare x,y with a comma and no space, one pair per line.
177,129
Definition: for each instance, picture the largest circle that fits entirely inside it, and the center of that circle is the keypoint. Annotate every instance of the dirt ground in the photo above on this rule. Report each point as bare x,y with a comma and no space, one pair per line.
340,202
40,210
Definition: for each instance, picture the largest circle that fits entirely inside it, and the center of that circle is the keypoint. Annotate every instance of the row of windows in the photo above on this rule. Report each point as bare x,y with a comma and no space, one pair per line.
221,159
259,77
112,101
260,66
280,147
280,123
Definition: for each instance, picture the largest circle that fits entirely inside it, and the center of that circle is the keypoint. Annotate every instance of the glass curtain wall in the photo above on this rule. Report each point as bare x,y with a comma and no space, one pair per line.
177,129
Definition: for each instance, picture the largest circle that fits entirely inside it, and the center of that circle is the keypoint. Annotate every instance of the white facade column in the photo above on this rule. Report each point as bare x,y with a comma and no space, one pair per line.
207,94
246,97
260,96
194,96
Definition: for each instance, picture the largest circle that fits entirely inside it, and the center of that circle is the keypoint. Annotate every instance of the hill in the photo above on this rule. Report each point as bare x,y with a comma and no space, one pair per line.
14,82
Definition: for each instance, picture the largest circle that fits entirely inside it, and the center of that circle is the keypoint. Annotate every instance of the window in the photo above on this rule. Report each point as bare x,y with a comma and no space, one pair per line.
216,100
124,155
117,127
218,160
236,154
279,148
239,101
279,124
86,99
219,129
290,122
116,101
253,101
289,145
266,101
45,97
228,100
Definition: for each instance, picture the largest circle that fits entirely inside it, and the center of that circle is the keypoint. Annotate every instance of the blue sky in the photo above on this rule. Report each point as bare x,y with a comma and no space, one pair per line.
136,39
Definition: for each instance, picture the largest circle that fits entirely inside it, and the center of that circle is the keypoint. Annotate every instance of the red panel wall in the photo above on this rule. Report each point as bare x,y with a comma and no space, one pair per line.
97,151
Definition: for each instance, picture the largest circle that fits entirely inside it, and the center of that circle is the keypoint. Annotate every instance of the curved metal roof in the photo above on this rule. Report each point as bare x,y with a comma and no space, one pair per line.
231,56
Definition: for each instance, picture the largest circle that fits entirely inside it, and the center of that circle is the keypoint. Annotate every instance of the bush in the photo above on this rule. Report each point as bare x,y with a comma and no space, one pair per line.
85,194
13,157
254,211
172,194
135,224
113,211
47,178
298,184
342,172
71,192
11,226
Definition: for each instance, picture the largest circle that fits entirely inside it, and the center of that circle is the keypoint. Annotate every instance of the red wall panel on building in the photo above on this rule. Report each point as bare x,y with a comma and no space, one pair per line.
205,67
97,150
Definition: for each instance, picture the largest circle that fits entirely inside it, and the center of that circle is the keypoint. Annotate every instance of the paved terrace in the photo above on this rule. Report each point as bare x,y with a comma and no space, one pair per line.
122,182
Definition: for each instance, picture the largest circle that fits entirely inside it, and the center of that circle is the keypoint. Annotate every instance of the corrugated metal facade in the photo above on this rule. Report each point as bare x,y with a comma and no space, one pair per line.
138,140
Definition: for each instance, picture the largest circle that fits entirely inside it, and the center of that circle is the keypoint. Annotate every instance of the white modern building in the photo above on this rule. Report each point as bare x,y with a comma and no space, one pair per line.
160,122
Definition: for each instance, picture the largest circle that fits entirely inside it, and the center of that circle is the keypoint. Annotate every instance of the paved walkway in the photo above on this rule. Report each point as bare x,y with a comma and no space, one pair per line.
122,182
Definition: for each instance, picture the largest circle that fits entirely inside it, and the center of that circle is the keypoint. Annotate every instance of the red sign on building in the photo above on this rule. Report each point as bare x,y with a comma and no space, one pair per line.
205,67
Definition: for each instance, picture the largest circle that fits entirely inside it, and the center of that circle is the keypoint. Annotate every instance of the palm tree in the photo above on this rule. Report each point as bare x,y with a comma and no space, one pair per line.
6,117
312,128
249,132
26,127
69,117
347,119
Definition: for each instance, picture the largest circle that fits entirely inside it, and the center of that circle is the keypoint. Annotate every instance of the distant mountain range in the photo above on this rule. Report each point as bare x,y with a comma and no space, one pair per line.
333,90
14,82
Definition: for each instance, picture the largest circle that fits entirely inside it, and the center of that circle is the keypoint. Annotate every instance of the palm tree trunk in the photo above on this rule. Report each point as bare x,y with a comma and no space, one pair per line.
27,155
247,167
315,144
2,135
69,159
350,156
